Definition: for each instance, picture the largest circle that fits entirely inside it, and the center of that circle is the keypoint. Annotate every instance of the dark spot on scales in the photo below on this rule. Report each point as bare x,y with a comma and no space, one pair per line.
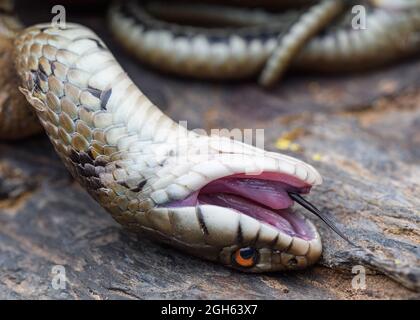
239,236
163,162
42,76
85,158
74,157
139,186
89,170
90,155
35,79
124,184
83,162
200,219
42,70
100,162
105,95
274,242
94,92
95,183
98,43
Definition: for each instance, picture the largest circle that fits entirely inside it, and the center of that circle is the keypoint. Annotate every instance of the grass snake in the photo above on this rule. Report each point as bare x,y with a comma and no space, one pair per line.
213,197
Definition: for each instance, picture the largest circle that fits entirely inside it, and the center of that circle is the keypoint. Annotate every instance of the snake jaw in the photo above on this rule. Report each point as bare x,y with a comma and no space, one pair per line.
201,216
210,232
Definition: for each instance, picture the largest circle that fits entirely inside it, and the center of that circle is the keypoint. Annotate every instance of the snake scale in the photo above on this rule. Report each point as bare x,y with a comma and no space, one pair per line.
213,197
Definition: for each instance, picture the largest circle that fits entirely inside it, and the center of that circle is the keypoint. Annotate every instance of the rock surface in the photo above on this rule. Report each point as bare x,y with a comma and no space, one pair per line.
361,131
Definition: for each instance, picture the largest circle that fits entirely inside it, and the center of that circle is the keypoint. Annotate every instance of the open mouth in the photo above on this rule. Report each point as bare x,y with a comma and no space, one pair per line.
264,200
267,197
264,197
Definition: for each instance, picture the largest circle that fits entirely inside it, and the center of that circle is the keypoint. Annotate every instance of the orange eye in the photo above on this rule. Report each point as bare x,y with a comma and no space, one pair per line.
245,257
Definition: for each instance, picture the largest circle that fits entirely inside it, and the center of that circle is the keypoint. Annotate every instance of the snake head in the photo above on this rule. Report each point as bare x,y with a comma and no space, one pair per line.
229,202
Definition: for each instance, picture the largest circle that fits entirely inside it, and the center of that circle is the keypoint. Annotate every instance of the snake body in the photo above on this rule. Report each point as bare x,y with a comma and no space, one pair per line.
269,43
135,161
210,196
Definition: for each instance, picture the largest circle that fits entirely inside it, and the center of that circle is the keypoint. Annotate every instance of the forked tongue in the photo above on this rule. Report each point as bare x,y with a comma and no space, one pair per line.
275,195
266,197
311,208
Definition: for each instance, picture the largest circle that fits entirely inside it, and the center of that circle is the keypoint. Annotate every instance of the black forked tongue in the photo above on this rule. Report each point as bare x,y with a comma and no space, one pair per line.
309,206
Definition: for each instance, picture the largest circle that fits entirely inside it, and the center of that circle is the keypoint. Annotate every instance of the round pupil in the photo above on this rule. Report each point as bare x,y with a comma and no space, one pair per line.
247,253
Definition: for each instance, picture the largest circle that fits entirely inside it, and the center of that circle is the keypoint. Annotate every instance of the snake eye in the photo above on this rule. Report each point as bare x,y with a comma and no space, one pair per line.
245,257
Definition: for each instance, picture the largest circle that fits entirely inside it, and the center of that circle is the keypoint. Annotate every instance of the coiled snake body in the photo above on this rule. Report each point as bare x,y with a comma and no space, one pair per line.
213,197
265,43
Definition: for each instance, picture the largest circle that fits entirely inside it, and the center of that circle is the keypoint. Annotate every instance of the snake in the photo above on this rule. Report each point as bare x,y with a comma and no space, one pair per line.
257,42
17,120
210,196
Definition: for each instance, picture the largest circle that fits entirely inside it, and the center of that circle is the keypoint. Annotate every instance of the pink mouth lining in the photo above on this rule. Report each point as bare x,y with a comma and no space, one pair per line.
263,197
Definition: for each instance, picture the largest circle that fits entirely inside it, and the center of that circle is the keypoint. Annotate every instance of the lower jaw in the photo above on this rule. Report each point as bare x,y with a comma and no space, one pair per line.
284,220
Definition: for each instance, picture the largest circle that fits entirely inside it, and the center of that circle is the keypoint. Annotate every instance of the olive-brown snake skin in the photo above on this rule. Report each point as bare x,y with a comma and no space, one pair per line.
213,197
269,43
17,120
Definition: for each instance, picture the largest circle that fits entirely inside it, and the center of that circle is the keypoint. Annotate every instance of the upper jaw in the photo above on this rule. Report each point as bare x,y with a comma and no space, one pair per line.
222,158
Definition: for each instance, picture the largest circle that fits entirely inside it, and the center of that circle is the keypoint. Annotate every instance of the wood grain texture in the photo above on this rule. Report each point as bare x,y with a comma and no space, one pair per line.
361,131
